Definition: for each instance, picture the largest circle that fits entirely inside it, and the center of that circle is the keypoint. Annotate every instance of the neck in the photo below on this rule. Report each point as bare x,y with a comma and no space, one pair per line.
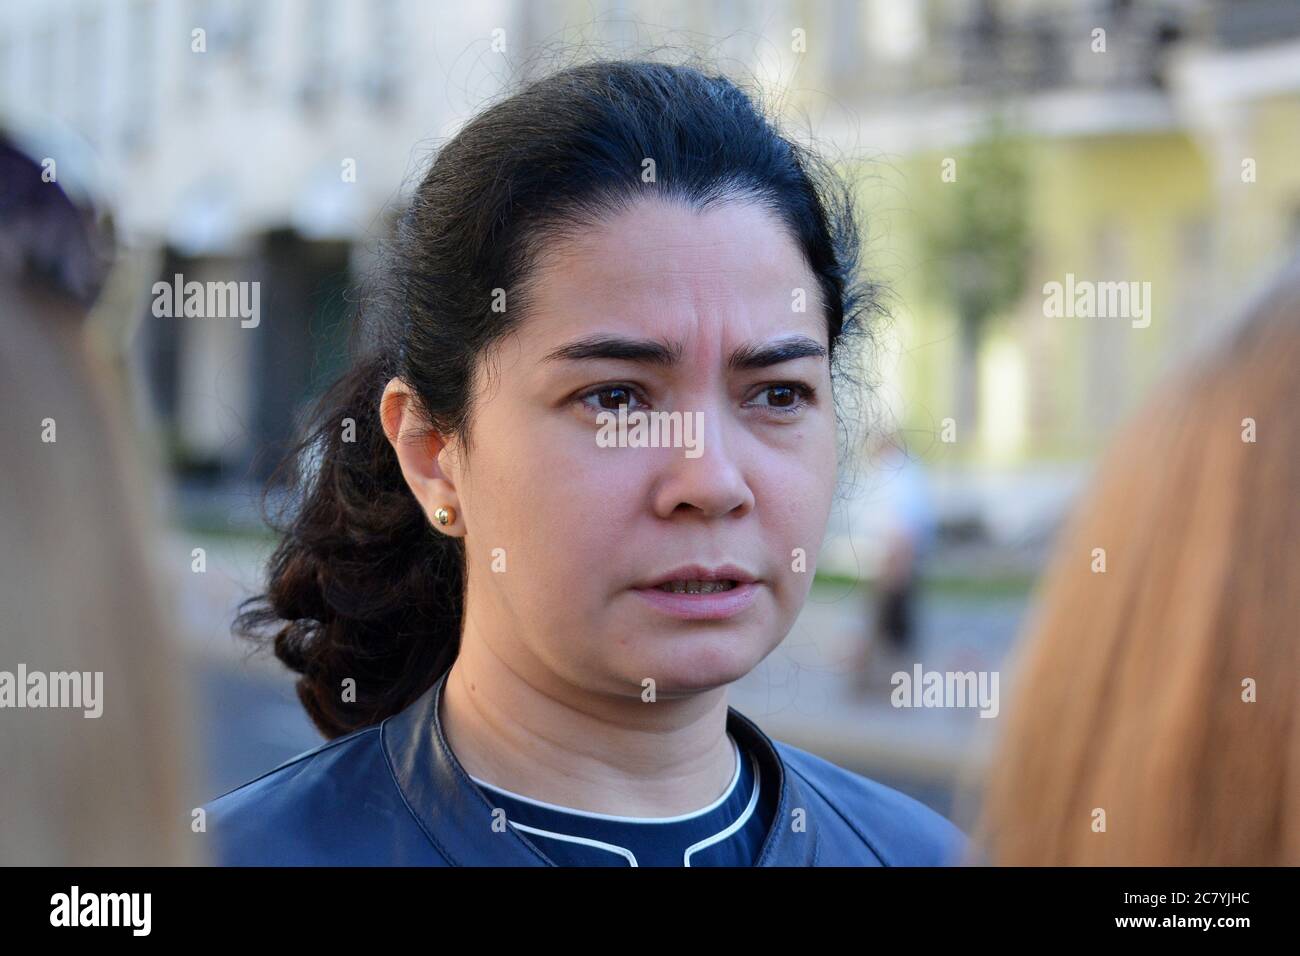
536,735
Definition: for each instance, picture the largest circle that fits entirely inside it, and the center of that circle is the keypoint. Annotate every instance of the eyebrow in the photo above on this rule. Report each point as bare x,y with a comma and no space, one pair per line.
667,354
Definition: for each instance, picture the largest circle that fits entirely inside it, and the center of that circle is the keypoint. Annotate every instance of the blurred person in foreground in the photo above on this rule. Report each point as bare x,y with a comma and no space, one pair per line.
1155,718
104,781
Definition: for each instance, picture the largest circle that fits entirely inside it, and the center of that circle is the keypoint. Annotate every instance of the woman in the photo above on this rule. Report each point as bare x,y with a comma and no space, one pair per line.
1157,716
517,621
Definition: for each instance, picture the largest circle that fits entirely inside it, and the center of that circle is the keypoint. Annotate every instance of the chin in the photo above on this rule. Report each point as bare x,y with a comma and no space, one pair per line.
692,664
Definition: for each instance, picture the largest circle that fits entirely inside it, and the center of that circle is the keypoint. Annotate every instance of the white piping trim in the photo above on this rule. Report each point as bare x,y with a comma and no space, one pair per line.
599,845
620,819
740,821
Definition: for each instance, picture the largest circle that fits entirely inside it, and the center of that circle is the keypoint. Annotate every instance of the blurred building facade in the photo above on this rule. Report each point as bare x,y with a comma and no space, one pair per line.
1157,141
271,142
238,140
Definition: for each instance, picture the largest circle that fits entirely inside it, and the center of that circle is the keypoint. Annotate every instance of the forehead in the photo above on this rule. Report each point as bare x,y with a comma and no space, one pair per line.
659,262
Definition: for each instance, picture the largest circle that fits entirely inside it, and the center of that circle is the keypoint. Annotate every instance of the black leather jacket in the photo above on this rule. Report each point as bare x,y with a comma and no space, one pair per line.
395,794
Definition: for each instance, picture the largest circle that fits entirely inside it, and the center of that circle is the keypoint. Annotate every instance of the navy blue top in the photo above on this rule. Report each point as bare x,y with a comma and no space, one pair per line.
728,832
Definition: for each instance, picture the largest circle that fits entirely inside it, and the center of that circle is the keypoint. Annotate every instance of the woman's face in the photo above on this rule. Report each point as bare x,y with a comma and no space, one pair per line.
562,528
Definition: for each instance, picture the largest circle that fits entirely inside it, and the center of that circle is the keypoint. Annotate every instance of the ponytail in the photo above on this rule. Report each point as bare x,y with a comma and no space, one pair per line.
361,589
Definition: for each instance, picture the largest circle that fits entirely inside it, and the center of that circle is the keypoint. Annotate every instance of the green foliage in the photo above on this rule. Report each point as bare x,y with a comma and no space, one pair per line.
977,239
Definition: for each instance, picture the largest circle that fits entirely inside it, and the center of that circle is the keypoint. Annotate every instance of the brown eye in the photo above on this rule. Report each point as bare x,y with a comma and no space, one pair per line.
621,396
609,398
787,398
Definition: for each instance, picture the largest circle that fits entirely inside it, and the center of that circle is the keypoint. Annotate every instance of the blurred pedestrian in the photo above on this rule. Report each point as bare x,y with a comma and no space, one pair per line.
904,518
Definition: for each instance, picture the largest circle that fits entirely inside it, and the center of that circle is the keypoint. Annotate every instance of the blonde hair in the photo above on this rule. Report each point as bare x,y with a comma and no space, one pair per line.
78,595
1132,691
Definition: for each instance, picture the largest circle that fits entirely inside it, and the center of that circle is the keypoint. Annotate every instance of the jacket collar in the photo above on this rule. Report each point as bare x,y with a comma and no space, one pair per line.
457,817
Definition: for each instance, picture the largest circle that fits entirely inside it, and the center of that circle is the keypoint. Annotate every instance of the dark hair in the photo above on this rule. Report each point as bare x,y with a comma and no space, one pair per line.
361,586
48,241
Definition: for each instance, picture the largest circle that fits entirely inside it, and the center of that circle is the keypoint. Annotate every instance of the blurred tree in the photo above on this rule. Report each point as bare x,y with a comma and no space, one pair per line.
976,244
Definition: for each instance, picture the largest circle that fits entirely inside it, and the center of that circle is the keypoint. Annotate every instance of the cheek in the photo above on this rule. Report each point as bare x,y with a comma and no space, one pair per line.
796,487
794,499
556,503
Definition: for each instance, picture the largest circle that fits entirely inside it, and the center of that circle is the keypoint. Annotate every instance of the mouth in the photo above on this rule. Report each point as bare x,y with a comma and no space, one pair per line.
697,586
700,579
695,593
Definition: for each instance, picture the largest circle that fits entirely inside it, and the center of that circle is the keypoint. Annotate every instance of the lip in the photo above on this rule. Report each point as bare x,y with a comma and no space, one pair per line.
702,607
698,572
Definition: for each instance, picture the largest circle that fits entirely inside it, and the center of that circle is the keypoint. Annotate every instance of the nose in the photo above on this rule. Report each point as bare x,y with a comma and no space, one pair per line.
712,485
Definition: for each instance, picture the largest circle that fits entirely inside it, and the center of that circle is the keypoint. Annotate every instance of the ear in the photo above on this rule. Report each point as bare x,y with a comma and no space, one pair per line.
418,454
